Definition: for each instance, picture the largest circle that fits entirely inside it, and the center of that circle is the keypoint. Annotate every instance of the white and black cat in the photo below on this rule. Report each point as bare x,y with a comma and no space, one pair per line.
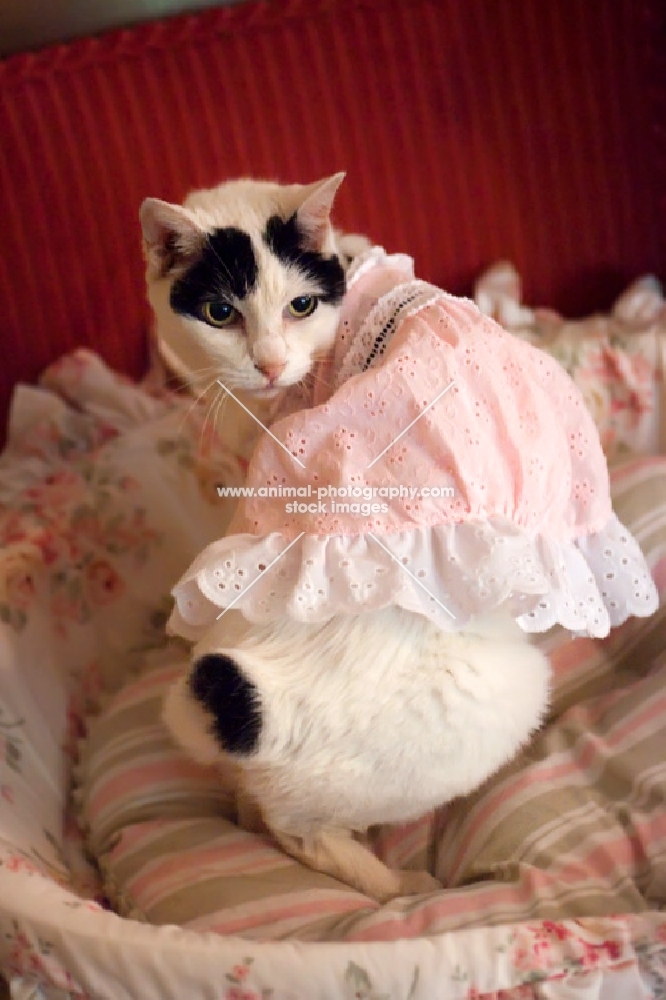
324,729
245,280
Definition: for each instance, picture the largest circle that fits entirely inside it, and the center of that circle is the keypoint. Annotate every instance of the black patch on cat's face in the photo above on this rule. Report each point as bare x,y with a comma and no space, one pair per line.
226,269
287,242
218,684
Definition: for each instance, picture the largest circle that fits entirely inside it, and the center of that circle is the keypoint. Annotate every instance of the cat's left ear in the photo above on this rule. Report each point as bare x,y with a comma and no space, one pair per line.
314,212
171,235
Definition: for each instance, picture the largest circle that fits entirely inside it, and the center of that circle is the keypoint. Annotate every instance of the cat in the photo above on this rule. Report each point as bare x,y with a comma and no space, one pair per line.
312,736
245,281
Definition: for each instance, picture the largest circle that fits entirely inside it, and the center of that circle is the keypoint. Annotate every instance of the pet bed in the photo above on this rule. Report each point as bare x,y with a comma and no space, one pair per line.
539,862
103,501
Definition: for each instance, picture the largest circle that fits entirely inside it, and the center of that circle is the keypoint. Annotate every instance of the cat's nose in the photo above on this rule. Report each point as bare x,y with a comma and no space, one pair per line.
271,369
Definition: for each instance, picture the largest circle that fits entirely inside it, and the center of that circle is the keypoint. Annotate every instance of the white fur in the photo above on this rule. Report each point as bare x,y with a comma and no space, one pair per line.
266,333
370,719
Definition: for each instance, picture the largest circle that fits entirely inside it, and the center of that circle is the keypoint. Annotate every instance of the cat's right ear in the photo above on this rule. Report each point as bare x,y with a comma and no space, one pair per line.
314,212
171,236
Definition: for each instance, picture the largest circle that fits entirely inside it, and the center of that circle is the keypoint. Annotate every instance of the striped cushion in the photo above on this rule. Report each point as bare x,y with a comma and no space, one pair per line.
164,837
576,825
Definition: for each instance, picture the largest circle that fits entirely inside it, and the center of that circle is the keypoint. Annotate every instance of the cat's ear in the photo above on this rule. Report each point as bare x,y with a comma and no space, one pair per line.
171,235
314,212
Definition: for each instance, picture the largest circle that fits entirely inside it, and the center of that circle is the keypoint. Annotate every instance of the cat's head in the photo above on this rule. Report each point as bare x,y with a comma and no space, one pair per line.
245,281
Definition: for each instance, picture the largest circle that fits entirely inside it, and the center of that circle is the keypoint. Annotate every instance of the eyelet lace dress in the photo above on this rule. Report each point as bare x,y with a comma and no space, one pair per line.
452,471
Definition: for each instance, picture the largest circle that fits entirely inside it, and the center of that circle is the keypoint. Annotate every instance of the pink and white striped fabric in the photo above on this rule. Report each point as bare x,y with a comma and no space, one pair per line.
92,536
574,827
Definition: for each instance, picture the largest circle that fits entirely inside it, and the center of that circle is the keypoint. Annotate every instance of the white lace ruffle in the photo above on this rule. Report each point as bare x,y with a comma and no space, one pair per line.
376,256
449,573
375,333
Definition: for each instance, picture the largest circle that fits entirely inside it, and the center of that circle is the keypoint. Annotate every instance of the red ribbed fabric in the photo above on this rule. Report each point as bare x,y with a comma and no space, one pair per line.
469,131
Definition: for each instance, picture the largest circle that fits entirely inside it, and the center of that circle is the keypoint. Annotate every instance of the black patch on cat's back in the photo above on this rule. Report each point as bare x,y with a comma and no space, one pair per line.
227,268
286,241
220,687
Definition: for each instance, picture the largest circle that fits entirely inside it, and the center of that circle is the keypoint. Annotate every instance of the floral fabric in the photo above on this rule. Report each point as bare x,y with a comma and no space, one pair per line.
104,500
617,360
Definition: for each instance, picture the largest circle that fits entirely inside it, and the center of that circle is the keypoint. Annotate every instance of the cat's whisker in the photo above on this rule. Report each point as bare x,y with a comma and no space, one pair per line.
217,256
314,377
202,433
190,376
219,409
208,370
222,263
197,383
216,370
200,449
232,379
192,405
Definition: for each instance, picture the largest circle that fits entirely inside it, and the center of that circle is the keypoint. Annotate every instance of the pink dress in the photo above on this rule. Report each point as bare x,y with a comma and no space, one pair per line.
453,470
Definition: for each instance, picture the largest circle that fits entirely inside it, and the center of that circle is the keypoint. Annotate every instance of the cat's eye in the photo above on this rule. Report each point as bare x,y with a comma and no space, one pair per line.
302,306
217,312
